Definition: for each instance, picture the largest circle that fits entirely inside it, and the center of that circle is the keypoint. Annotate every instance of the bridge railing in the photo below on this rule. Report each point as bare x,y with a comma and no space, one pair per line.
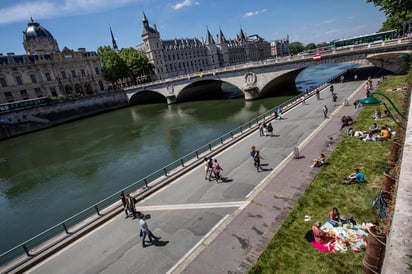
90,217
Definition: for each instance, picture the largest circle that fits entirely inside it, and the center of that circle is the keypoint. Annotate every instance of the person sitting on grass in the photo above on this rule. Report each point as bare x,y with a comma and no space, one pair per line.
369,137
374,128
355,177
359,133
384,136
320,235
319,161
334,217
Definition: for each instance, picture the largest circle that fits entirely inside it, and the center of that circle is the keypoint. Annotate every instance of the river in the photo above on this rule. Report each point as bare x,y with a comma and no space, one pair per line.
50,175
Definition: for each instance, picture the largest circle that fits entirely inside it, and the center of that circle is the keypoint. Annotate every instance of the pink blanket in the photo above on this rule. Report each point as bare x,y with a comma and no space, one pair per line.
323,247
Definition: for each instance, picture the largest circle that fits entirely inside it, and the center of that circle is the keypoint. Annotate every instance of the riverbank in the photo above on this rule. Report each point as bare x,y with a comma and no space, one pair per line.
58,112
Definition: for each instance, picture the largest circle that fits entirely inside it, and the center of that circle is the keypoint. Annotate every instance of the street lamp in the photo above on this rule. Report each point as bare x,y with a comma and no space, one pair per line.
374,101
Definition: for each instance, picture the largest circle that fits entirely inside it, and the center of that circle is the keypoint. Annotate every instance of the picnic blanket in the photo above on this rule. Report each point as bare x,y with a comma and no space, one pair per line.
348,236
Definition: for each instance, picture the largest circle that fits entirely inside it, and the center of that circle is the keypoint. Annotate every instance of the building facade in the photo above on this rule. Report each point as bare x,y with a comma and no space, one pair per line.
279,47
184,56
45,71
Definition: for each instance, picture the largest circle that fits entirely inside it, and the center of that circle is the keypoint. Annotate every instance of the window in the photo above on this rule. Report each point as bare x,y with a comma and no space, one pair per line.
9,96
33,78
48,77
24,94
3,82
96,69
18,80
53,92
38,92
74,74
83,72
64,76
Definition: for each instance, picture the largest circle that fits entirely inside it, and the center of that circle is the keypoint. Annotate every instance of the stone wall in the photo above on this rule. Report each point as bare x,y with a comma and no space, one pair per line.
58,112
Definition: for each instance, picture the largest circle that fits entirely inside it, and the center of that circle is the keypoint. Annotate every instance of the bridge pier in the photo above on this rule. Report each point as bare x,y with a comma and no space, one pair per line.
171,99
251,93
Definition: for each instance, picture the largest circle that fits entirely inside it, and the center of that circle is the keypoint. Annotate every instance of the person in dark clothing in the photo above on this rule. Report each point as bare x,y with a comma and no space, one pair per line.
124,203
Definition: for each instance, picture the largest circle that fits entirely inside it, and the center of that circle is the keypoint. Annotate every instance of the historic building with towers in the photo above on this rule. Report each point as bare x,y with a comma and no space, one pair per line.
191,55
45,71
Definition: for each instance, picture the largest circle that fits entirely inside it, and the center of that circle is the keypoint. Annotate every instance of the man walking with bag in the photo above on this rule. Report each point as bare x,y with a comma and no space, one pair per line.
144,230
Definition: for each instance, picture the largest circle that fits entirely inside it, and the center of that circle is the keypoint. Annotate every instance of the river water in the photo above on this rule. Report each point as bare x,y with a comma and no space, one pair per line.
50,175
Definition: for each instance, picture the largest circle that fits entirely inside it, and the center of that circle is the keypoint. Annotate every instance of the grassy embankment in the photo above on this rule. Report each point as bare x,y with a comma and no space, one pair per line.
288,251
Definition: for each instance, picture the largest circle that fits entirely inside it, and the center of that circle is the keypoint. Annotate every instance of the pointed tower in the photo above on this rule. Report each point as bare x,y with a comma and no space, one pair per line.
114,44
38,40
212,54
153,46
223,49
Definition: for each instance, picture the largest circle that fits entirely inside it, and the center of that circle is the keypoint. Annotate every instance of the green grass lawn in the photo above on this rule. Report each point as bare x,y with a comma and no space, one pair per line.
288,251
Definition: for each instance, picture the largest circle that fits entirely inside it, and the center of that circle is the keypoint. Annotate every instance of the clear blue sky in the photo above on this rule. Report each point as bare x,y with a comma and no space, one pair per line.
85,23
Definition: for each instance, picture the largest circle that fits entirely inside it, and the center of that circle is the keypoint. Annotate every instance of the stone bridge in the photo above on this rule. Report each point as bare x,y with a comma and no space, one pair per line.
257,78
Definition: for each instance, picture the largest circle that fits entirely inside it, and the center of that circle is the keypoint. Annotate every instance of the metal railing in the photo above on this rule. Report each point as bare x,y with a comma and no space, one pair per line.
111,205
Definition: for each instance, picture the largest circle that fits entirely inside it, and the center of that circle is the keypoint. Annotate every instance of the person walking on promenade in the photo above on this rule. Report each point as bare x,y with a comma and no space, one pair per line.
206,164
334,99
132,204
216,170
145,231
325,111
269,129
256,159
317,94
125,204
261,130
210,165
332,89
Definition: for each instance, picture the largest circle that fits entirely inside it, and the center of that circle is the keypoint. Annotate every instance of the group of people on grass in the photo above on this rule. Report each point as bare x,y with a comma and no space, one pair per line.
326,239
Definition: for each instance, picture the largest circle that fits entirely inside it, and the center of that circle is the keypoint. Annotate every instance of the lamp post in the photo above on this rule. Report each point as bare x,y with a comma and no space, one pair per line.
374,101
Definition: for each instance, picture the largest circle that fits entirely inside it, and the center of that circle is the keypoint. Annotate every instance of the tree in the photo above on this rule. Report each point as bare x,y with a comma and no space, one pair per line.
114,68
396,11
295,47
310,46
136,63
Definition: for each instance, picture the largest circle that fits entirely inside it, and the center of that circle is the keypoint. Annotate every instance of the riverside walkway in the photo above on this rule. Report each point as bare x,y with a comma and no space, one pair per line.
208,227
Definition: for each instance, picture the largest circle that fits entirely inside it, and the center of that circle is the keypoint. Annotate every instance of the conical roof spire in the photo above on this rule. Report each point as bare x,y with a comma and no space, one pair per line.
114,44
209,38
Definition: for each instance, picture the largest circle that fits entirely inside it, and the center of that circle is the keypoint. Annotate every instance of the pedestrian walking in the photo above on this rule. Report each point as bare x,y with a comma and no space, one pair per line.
325,111
332,89
280,111
206,164
124,203
256,159
269,129
210,164
334,98
132,203
261,130
303,99
216,170
317,94
145,231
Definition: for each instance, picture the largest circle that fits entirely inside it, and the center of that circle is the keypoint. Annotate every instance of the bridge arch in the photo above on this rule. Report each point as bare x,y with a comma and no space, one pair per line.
147,97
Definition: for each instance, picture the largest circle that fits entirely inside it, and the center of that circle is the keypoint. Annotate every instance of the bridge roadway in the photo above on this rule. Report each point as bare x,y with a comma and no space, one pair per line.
208,227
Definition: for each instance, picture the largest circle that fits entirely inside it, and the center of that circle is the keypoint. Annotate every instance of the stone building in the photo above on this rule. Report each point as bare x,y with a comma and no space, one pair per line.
191,55
45,71
279,47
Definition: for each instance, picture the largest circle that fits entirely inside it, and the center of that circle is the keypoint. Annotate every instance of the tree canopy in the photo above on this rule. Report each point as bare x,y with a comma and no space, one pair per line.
396,11
128,63
295,47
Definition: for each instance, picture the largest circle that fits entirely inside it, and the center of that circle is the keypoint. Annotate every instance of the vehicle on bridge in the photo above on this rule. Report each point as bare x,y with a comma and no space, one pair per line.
363,39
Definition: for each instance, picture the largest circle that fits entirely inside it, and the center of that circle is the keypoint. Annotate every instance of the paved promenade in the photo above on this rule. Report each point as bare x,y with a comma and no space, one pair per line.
209,227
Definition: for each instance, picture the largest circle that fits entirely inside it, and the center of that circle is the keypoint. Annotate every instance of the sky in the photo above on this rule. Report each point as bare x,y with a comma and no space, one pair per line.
86,23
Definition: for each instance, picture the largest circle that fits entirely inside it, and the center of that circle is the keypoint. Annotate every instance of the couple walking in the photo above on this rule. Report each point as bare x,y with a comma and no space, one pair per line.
212,169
